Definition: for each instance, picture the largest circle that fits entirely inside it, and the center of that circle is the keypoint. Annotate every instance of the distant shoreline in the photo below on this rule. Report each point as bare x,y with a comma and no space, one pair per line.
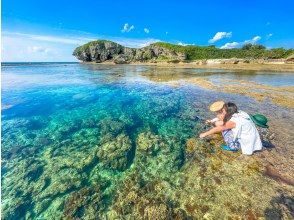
214,64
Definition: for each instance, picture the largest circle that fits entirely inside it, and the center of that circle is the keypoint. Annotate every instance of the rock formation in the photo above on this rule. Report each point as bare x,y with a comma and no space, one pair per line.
102,50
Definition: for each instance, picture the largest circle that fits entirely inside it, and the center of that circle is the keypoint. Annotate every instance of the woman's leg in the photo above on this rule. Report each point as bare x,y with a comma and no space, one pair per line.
232,144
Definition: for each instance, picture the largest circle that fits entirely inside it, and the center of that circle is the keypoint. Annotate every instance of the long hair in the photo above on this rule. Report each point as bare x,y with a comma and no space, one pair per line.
230,108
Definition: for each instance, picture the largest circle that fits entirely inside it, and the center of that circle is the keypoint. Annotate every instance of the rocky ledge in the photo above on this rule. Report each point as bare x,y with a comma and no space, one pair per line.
103,50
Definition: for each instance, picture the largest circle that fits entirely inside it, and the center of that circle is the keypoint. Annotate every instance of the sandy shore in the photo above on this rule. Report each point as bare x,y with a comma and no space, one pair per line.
212,64
241,66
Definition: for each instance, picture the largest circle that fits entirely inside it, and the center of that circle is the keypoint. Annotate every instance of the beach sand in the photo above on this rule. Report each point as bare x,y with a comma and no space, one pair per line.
265,66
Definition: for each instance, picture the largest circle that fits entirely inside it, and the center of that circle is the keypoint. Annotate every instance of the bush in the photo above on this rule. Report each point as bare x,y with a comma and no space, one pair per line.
256,51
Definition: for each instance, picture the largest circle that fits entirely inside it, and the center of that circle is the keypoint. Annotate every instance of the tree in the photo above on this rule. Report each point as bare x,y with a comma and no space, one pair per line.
250,46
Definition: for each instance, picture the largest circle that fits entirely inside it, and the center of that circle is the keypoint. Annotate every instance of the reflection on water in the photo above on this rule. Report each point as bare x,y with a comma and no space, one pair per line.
81,141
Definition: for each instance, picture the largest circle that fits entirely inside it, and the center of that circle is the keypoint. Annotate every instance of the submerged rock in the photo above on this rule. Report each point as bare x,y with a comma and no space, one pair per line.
157,212
85,202
148,143
115,154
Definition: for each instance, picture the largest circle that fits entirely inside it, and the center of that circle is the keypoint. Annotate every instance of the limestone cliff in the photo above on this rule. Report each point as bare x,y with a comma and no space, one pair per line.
103,50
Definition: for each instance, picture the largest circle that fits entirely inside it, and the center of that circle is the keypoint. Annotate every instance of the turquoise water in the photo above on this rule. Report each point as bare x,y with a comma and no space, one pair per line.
76,138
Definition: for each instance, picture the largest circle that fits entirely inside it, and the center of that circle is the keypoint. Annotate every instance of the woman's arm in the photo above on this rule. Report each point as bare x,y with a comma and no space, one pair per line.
227,125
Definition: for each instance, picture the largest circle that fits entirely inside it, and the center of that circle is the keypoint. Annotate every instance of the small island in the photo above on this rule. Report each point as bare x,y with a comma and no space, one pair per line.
250,56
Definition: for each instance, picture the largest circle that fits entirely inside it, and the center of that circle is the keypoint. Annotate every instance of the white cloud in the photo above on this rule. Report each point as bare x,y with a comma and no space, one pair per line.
127,28
230,45
253,40
36,49
269,36
24,47
49,38
146,30
220,35
182,44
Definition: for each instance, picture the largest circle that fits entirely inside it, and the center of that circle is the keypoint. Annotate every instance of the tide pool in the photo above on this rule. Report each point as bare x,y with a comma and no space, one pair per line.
105,142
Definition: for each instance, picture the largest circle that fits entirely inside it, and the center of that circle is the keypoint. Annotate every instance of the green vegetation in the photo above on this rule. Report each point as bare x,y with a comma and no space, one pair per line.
211,52
86,46
248,51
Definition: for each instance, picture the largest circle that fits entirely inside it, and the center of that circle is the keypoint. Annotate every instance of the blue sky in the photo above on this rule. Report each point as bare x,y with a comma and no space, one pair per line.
35,30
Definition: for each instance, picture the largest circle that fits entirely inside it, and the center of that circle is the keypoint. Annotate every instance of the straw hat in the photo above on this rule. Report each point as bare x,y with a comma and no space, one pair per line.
216,106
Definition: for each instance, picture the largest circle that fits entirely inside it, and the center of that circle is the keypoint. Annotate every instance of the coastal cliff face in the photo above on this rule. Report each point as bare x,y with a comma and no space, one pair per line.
102,50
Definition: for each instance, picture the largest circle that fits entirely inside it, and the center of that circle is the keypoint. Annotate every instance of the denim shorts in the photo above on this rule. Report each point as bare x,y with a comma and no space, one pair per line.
229,139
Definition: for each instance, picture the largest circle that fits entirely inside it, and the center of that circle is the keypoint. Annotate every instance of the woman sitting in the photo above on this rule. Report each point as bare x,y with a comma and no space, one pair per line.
238,129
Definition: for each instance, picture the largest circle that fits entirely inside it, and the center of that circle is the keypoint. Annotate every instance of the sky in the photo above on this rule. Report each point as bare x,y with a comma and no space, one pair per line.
38,30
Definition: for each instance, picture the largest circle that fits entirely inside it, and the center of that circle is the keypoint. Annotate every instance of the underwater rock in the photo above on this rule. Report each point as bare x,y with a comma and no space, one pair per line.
89,123
69,128
157,212
148,143
180,214
191,145
16,208
196,147
84,203
109,126
61,182
115,154
157,157
36,124
43,141
35,172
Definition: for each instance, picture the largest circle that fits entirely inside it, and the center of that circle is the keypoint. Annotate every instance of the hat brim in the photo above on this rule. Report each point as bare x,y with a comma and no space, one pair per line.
257,123
217,106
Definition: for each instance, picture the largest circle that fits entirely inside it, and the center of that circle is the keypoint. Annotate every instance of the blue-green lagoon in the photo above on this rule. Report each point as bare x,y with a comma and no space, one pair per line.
83,141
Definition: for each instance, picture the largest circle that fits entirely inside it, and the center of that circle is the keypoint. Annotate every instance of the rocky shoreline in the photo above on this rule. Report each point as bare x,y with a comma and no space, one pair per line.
163,54
256,65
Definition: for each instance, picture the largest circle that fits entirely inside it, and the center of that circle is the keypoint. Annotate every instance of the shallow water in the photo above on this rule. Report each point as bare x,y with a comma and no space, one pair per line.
74,134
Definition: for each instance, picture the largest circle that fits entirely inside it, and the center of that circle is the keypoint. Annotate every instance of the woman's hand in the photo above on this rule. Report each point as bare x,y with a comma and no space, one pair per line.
202,135
207,121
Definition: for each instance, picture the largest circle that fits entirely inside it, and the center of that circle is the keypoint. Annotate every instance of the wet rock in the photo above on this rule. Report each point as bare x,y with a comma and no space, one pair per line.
110,127
157,212
271,172
61,182
35,171
148,143
36,124
84,203
196,147
266,136
115,154
89,123
43,141
180,214
69,129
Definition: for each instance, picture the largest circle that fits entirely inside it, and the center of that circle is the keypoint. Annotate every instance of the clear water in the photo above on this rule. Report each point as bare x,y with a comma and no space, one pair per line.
73,135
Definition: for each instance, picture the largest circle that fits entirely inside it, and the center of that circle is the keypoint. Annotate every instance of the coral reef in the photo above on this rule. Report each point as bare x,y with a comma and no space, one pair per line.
126,148
116,153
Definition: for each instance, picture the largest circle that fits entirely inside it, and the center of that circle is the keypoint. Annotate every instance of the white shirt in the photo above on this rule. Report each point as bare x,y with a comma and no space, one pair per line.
246,133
